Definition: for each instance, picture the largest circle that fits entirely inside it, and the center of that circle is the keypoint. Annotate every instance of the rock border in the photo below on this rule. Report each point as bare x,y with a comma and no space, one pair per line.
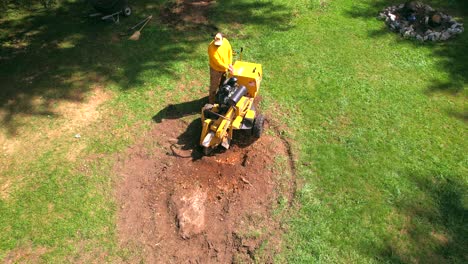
417,25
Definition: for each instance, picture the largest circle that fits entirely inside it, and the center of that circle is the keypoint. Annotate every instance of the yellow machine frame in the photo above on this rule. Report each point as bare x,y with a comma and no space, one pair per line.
219,131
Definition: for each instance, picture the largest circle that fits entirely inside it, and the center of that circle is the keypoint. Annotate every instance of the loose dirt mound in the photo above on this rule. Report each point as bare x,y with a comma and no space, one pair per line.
179,207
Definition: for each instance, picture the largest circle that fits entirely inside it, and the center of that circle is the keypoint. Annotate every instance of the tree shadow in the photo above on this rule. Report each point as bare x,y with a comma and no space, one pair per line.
453,53
436,226
59,55
49,56
459,115
235,13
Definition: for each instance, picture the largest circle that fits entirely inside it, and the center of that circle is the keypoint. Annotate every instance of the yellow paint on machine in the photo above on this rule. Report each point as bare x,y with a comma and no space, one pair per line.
250,75
237,122
250,114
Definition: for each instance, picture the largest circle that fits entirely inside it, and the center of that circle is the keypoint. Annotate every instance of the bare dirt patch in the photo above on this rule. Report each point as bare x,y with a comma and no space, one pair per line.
177,206
25,254
70,118
74,115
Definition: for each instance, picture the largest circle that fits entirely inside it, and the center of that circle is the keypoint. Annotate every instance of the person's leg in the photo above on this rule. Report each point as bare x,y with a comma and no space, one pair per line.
215,79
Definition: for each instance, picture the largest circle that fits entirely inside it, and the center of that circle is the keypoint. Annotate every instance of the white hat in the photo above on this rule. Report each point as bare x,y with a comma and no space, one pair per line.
218,39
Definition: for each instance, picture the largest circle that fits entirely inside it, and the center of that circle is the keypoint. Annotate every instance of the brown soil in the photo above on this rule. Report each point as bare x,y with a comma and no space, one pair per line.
25,254
177,206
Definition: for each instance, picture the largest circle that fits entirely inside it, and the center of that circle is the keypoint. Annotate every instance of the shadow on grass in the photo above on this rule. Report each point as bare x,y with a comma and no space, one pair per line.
437,231
453,54
176,111
48,56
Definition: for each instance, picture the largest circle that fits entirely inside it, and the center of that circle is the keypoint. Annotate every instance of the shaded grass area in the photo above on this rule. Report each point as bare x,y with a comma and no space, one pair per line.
436,222
53,55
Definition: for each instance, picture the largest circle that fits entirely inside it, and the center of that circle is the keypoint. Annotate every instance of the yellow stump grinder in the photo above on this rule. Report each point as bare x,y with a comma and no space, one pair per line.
234,108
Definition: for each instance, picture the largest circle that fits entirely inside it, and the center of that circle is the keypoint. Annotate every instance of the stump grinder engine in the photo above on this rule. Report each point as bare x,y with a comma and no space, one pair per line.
234,108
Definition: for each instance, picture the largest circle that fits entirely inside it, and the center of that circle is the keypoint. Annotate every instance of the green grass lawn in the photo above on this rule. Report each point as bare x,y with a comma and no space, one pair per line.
378,125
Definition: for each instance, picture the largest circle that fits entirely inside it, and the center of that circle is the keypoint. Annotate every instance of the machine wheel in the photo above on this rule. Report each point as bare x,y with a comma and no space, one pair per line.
127,11
257,128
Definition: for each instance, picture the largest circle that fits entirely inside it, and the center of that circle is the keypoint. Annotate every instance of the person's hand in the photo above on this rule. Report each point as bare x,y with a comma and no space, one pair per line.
231,69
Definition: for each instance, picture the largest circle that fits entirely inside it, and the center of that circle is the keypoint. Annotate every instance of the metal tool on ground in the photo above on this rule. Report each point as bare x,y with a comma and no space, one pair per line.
111,9
136,35
131,29
234,108
139,23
